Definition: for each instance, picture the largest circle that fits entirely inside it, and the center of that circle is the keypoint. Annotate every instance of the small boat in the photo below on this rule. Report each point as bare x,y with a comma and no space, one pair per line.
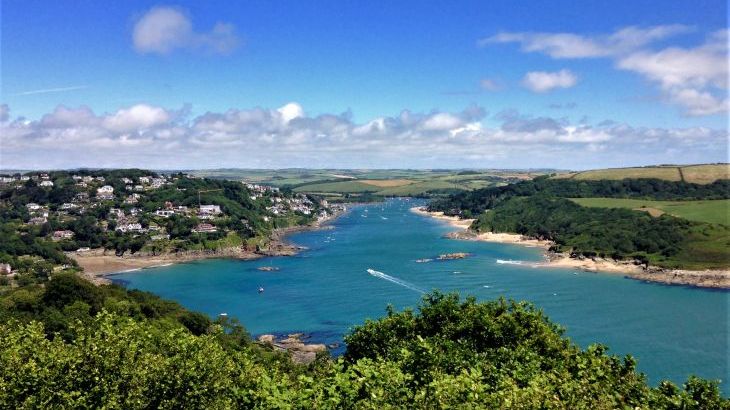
261,289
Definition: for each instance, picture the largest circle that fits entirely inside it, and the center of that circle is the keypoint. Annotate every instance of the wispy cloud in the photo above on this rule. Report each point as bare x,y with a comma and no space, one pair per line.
570,45
694,78
542,81
52,90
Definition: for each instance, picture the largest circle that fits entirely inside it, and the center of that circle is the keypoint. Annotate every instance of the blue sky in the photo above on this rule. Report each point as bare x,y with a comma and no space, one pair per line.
606,76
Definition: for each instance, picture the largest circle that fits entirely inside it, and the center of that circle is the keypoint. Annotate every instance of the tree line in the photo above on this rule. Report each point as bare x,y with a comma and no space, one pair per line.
477,201
72,345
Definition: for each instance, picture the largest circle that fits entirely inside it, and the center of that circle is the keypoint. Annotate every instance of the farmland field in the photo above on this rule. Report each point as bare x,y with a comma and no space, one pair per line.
699,174
361,184
712,211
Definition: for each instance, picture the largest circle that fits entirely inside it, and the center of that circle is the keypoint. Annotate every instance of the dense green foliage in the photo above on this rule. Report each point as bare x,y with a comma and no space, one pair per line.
68,298
477,201
539,209
605,232
129,349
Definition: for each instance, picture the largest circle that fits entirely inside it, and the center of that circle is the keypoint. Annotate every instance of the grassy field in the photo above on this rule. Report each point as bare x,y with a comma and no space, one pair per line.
387,183
336,184
353,183
715,211
699,174
342,187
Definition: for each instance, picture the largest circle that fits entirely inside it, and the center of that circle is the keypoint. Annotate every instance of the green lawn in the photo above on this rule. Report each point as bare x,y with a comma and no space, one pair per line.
712,211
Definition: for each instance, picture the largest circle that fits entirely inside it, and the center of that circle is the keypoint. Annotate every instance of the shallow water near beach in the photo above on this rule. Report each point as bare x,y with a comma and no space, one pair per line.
673,331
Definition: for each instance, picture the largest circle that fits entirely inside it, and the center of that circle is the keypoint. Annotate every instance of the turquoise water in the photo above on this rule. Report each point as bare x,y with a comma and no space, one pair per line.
673,331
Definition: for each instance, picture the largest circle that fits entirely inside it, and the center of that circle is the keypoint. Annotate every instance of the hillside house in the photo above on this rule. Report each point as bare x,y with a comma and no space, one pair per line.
210,209
130,227
204,228
61,235
38,220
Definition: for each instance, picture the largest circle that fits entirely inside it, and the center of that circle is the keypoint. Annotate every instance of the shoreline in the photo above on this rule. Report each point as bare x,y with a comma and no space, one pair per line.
708,278
98,265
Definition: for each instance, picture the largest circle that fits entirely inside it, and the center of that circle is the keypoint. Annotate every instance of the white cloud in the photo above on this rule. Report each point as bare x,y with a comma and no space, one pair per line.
442,122
137,117
568,45
542,81
694,78
63,117
163,30
291,111
155,137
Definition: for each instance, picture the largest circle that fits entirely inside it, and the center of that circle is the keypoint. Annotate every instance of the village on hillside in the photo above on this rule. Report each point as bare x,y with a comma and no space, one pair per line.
44,214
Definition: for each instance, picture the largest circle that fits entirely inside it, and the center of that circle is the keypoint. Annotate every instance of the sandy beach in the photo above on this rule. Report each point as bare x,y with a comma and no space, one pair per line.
452,220
98,264
705,278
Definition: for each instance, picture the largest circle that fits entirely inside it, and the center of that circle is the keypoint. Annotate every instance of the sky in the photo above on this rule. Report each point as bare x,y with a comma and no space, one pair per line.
347,84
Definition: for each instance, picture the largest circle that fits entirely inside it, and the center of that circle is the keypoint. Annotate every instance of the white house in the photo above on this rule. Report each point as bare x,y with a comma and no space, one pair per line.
33,206
106,189
60,235
210,209
164,212
131,227
46,183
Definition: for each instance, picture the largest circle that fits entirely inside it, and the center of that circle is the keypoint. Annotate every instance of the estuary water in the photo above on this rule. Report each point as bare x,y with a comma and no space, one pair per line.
672,331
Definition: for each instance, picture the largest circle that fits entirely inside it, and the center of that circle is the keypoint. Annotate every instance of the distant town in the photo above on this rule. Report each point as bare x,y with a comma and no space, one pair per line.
129,211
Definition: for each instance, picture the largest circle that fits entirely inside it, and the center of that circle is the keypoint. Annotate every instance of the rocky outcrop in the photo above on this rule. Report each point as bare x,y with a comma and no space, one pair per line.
301,352
451,256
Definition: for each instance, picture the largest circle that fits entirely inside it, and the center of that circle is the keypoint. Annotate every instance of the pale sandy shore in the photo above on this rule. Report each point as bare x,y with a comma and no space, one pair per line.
98,265
704,278
452,220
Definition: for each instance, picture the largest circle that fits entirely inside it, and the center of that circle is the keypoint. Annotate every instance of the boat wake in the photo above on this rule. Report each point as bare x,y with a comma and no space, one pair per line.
397,281
508,262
